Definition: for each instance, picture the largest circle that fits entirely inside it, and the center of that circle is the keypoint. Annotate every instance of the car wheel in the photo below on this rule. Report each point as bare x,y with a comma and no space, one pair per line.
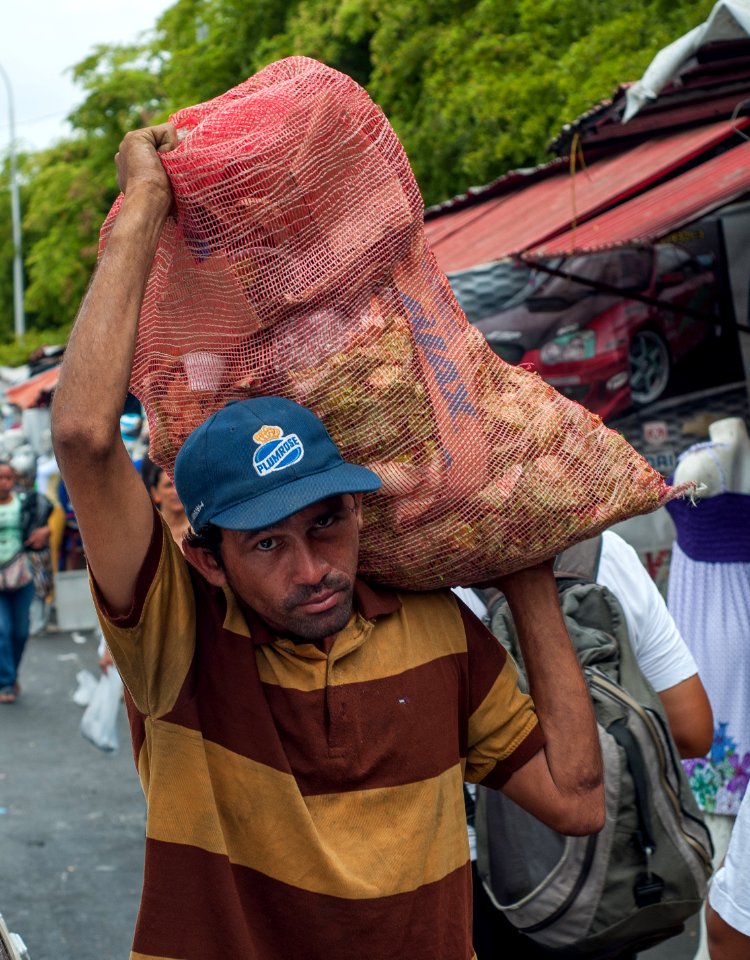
650,366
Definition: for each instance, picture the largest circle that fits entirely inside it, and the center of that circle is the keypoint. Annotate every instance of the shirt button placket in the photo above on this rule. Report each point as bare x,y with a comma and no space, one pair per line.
336,704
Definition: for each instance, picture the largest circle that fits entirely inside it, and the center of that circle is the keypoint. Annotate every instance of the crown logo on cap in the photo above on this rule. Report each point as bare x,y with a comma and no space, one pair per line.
267,433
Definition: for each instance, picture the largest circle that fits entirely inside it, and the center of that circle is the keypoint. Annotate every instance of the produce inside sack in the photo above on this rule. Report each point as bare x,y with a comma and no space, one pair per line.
297,265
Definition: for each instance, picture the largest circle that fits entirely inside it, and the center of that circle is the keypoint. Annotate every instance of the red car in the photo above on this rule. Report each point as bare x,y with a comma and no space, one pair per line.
609,351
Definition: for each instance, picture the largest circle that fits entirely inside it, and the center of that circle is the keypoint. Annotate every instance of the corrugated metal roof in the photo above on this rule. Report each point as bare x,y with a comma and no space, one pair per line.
664,208
509,182
515,222
709,87
27,394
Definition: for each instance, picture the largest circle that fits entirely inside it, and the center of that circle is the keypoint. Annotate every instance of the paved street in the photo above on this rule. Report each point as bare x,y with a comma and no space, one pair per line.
72,820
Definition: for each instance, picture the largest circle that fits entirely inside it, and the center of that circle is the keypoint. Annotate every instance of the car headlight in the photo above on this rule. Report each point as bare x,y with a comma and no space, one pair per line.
578,345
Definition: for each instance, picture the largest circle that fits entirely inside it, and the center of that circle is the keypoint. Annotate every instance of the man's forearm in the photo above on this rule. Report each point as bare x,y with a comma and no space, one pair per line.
113,509
96,369
556,682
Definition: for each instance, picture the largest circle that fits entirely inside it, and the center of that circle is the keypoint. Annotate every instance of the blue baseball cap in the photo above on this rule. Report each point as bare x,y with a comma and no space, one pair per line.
255,462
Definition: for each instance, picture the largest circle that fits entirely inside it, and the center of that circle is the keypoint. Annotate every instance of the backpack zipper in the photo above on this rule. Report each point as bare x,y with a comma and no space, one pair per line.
686,813
616,693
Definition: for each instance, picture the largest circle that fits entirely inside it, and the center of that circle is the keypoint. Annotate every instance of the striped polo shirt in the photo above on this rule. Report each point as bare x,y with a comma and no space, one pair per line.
303,804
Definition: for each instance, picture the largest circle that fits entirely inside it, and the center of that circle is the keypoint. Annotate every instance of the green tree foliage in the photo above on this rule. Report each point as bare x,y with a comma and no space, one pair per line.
68,189
473,87
484,88
208,46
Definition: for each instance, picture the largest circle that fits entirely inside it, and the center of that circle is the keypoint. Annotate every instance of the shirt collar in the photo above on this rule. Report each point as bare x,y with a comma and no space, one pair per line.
375,601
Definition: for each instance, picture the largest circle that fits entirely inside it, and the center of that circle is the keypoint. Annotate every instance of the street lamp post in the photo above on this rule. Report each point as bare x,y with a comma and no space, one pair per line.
15,203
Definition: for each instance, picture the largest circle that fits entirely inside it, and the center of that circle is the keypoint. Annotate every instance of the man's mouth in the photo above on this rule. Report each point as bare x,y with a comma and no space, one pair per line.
321,603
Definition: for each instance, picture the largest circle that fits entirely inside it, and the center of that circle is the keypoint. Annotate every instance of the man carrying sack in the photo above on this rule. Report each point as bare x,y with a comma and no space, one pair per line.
301,736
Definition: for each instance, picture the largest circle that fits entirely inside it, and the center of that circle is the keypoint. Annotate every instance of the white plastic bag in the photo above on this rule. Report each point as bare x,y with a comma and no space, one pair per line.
99,720
85,690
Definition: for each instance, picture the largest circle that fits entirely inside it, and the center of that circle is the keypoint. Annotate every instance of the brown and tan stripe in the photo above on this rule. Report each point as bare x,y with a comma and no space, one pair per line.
264,919
204,796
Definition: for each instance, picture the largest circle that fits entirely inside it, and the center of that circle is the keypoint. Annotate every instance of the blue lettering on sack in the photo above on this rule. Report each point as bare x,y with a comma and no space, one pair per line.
278,454
434,347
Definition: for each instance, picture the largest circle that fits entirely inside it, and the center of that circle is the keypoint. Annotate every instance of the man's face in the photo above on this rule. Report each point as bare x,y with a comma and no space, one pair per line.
298,575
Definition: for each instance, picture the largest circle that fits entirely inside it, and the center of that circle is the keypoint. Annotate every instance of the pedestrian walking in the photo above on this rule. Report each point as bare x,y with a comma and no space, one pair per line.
728,907
23,528
164,494
302,736
668,665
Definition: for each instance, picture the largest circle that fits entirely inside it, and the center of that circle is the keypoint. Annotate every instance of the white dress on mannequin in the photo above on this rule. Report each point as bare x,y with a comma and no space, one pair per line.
709,598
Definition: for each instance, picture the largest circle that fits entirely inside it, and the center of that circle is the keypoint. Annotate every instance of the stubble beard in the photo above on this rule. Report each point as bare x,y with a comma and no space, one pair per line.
311,627
314,627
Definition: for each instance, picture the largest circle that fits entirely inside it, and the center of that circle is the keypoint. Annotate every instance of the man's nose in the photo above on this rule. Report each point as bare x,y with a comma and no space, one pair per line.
310,567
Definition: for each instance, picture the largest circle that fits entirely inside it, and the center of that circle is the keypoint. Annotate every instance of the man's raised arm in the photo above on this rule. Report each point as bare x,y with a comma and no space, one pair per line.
111,504
562,784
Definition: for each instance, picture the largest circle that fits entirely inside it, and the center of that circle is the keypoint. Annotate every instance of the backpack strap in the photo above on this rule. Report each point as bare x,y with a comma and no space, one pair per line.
581,561
491,597
470,807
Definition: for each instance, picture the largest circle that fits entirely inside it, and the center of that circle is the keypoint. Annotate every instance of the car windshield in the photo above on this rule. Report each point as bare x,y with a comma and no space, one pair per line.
626,270
552,304
486,290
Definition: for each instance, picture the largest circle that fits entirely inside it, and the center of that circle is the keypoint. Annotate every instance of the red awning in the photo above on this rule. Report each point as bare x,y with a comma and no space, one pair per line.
527,218
665,208
28,393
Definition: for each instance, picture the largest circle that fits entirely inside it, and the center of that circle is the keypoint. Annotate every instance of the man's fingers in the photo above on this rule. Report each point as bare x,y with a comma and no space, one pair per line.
165,137
137,158
161,138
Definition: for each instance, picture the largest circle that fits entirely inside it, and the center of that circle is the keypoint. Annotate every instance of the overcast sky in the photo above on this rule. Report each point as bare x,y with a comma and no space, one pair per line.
40,39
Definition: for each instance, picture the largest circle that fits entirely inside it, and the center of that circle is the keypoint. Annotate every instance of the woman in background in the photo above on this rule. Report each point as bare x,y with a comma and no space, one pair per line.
23,528
165,498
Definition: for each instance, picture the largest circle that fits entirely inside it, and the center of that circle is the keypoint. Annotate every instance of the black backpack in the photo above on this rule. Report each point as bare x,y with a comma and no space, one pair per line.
35,512
635,883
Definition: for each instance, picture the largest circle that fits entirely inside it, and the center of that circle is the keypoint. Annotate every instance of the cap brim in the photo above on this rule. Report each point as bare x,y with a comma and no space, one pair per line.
278,504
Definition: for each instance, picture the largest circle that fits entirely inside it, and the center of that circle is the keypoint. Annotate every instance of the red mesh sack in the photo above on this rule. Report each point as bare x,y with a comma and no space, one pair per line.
297,266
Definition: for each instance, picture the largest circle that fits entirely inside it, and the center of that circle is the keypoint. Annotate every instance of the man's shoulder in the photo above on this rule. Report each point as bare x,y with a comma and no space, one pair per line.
427,620
164,575
375,600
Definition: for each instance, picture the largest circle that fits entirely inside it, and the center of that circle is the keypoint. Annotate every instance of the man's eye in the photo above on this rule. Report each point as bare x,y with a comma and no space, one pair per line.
268,544
325,520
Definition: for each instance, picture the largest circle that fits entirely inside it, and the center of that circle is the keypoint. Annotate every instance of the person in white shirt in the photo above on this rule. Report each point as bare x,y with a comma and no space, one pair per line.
728,906
662,654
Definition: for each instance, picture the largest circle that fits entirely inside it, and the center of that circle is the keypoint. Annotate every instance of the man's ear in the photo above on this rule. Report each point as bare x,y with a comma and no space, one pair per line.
205,563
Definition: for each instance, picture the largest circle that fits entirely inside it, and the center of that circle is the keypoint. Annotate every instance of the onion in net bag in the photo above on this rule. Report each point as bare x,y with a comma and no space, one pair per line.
297,265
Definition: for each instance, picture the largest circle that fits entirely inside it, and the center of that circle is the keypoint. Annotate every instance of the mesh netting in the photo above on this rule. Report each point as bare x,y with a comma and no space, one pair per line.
297,266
